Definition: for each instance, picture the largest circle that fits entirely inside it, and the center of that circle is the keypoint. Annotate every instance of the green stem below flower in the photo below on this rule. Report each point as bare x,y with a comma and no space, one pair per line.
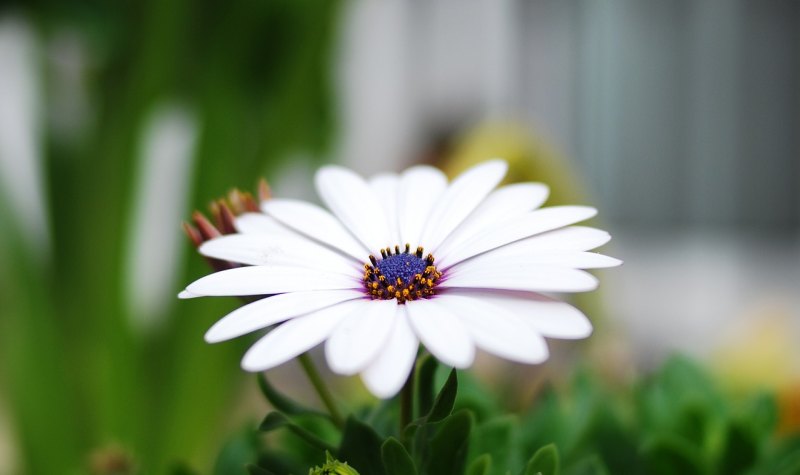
322,390
407,403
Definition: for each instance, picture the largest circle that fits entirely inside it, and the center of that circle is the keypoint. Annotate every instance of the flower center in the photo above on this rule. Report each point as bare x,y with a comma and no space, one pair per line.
400,275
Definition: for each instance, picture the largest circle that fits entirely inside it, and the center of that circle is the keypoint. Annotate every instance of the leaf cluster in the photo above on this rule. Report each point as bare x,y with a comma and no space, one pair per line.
673,422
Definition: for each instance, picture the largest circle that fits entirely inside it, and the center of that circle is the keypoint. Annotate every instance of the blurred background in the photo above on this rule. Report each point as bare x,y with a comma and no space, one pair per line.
678,120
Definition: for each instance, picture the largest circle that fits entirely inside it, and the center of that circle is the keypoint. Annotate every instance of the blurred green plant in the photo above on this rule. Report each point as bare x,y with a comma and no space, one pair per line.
77,376
673,422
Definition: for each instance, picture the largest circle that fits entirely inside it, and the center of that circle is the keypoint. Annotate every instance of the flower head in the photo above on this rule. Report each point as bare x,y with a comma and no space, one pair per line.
401,259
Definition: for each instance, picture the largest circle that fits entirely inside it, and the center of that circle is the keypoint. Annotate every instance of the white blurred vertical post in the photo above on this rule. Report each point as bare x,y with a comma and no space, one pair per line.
20,131
375,86
165,163
502,59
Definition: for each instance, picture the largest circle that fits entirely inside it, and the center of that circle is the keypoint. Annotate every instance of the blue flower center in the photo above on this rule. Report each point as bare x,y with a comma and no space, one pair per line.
404,266
400,275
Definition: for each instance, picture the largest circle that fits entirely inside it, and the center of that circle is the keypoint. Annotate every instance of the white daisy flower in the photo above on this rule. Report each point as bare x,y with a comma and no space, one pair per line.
401,259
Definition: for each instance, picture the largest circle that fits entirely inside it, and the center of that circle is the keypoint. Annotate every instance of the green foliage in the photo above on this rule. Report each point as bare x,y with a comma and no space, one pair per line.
673,422
544,462
481,465
396,459
282,402
74,372
361,448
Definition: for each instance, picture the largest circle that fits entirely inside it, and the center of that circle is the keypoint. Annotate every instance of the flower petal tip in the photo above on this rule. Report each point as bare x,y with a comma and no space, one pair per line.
185,294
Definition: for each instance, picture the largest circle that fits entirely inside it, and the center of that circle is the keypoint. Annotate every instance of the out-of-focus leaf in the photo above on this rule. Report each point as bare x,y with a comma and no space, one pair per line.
443,405
761,414
182,469
396,459
545,424
283,403
281,462
450,446
782,458
361,448
237,453
496,438
481,465
426,373
585,405
256,470
275,420
667,454
474,396
323,428
740,450
616,441
591,465
544,462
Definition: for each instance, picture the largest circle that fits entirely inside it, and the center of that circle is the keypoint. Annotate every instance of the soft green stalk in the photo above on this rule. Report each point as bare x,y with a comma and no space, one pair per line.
321,388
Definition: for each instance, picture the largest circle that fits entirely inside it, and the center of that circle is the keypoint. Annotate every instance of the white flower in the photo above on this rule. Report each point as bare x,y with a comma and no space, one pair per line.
403,259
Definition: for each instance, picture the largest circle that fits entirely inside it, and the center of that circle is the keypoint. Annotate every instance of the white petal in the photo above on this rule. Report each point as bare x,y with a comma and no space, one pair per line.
420,188
550,317
356,341
185,294
572,238
501,205
496,329
390,370
509,256
521,227
460,199
316,223
441,332
385,187
349,197
262,280
271,310
260,223
261,249
513,275
295,337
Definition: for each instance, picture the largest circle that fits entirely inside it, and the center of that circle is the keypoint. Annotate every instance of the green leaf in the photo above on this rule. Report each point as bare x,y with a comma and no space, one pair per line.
182,469
284,403
237,452
668,454
495,437
276,420
762,414
481,465
544,462
396,459
450,445
591,465
443,405
741,449
426,372
361,448
256,470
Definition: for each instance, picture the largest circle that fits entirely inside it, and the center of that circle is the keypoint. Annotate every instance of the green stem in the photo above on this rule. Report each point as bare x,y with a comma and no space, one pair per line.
407,403
321,388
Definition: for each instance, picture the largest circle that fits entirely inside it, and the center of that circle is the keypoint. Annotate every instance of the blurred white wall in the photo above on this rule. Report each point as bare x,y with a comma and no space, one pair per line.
692,108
